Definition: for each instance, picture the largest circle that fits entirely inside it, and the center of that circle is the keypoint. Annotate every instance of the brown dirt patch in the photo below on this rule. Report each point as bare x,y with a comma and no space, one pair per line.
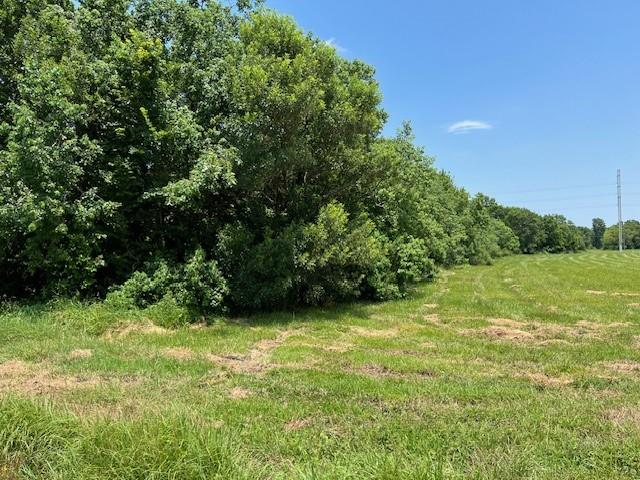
256,360
178,353
32,379
80,353
367,332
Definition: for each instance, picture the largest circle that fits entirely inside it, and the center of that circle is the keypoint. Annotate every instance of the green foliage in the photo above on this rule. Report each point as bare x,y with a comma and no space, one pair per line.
337,259
260,273
598,228
630,235
548,233
196,284
206,157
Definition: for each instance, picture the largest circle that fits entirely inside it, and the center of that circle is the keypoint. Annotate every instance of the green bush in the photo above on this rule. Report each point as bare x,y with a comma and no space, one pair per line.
338,259
197,285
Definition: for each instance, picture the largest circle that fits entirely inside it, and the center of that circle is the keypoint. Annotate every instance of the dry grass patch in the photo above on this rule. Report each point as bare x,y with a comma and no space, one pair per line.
239,393
380,371
297,424
499,333
624,366
507,322
334,347
602,326
433,319
9,470
542,334
26,378
80,353
257,359
596,292
375,333
624,417
178,353
545,380
148,328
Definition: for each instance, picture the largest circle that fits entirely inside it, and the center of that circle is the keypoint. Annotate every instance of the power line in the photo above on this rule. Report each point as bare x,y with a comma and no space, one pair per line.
558,199
566,187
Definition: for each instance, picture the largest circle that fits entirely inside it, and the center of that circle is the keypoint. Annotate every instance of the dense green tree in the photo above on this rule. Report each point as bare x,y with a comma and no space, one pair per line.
587,237
527,225
598,228
630,235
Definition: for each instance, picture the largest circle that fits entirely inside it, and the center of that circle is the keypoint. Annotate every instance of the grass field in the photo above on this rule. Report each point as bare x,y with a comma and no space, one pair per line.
529,368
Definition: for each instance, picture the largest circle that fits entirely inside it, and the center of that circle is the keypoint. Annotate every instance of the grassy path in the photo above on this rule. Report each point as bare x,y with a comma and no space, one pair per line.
526,369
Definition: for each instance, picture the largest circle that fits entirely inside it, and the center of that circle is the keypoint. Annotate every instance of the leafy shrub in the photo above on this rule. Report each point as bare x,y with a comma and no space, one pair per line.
262,276
197,285
338,259
411,262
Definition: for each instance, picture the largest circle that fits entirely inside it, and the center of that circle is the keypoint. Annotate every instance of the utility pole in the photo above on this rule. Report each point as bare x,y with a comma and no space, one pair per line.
619,212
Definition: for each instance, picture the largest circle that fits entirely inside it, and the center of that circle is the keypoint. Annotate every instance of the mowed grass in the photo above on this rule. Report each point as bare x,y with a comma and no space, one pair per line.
529,368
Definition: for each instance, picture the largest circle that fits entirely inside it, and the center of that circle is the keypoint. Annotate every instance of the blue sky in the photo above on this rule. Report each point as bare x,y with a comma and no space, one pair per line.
545,94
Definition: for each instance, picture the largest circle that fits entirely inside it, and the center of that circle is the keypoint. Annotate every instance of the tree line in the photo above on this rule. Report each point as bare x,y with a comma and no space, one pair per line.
608,237
219,158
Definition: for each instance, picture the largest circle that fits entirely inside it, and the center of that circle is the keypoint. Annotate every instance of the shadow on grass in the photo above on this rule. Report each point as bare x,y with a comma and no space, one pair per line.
360,309
97,316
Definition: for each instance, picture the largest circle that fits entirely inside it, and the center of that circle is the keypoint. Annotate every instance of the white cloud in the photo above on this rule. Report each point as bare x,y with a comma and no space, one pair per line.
466,126
333,43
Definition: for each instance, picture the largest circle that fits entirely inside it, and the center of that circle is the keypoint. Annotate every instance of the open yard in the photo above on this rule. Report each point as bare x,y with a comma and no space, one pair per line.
529,368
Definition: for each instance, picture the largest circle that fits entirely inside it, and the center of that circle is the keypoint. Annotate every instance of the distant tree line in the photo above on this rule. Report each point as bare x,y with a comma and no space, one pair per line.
630,235
218,158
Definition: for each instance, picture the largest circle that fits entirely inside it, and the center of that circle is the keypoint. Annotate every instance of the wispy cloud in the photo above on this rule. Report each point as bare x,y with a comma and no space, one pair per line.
333,43
466,126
